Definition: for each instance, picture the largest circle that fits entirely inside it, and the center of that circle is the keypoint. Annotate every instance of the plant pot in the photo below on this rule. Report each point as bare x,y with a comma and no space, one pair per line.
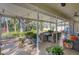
21,42
68,45
55,50
21,45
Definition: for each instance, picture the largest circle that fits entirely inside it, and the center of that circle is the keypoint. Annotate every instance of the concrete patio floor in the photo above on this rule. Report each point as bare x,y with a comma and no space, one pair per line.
44,45
13,49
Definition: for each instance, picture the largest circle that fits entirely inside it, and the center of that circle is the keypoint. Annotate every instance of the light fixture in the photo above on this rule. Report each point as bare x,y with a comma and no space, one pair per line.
63,4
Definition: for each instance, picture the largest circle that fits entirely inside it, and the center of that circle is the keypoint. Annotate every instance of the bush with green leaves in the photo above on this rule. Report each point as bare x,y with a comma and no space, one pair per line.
13,34
56,50
21,40
68,41
50,31
34,35
31,34
17,34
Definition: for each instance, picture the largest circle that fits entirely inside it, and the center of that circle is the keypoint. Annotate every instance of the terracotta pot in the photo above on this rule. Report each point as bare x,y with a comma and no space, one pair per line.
68,45
21,45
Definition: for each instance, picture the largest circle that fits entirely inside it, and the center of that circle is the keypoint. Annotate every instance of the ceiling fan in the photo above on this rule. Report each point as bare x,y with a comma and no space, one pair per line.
76,14
63,4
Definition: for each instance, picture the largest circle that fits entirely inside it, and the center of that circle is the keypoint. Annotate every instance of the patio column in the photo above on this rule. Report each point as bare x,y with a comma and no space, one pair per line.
50,23
21,27
56,32
41,28
71,25
76,27
61,26
50,27
0,33
7,24
37,27
0,41
64,25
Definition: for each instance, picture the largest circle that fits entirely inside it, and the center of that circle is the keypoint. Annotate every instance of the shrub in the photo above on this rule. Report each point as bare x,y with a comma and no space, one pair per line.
31,34
13,34
50,31
68,41
56,50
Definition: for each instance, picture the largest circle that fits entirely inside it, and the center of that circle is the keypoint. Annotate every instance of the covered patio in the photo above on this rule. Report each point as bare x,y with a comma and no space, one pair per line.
28,29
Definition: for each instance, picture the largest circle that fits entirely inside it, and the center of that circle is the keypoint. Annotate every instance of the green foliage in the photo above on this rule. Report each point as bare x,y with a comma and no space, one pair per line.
34,35
34,31
21,40
17,22
68,41
31,34
13,34
10,25
50,31
56,50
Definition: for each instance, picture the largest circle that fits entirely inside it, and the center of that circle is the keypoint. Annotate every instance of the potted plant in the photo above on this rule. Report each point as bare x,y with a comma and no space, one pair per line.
68,43
21,42
56,50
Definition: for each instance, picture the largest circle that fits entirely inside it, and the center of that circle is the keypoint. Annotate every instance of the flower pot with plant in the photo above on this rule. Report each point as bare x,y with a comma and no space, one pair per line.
56,50
21,42
68,43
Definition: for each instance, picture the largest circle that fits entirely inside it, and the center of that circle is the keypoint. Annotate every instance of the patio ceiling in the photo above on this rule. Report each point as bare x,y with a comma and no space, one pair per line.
66,12
17,10
50,9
